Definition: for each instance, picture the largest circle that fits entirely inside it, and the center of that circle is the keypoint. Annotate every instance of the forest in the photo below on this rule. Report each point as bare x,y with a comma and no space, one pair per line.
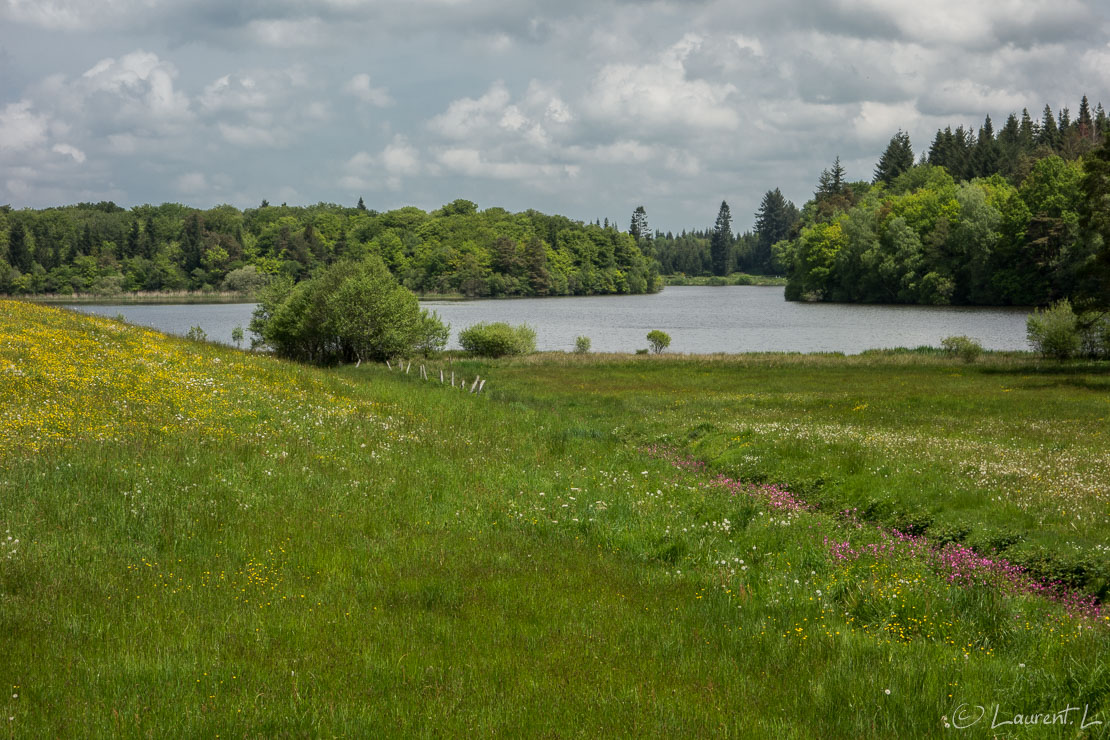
1017,218
980,218
105,249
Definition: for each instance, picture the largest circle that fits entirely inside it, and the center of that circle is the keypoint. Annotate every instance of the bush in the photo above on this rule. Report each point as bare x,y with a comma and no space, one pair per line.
966,348
641,351
196,334
349,311
659,340
245,280
582,345
1054,331
498,339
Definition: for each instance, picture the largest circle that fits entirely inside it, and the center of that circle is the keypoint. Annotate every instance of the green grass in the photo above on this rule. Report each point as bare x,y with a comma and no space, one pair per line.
247,547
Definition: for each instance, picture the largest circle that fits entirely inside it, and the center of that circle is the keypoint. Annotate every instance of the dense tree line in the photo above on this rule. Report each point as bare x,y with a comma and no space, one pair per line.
1012,219
106,249
718,251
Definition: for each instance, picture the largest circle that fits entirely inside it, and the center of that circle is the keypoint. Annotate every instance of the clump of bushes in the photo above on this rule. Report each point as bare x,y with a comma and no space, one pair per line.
965,348
582,345
659,340
349,311
1060,333
1054,331
498,339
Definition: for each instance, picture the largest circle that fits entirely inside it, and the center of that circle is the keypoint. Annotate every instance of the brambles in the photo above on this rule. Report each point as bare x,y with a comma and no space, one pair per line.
498,339
659,340
965,348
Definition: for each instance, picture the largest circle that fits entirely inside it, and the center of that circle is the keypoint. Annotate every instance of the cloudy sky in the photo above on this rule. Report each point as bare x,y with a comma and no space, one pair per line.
582,107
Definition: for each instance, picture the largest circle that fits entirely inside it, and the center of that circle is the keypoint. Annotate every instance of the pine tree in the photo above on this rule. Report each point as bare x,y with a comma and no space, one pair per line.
1028,131
19,256
720,244
775,220
133,236
1049,135
1009,146
1085,123
639,226
1102,122
1095,289
897,158
985,155
361,204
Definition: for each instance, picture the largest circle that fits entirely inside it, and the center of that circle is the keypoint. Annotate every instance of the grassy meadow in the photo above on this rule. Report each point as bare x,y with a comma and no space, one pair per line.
196,541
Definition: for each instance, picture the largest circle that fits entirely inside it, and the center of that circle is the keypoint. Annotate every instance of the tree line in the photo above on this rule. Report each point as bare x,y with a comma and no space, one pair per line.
1021,217
717,250
457,249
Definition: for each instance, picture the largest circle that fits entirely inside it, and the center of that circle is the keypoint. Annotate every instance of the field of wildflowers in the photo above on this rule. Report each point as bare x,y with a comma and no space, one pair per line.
202,542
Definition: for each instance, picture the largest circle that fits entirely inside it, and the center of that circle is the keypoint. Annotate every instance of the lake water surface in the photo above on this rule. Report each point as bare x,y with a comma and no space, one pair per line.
699,320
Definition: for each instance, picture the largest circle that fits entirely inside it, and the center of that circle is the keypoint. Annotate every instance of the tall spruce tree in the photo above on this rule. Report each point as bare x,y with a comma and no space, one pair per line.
775,220
984,158
1095,219
19,255
639,226
1085,123
720,244
897,158
1049,134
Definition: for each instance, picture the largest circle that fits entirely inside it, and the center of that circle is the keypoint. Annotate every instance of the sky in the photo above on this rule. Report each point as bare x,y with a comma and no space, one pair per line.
587,108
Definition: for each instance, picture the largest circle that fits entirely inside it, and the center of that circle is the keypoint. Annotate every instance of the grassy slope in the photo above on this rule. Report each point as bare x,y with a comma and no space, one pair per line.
216,543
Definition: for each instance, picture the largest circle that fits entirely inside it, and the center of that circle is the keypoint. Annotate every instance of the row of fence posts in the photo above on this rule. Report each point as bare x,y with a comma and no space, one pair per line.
476,385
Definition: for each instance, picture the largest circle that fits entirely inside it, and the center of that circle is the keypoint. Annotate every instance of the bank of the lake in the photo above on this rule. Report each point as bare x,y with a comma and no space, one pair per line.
138,298
700,320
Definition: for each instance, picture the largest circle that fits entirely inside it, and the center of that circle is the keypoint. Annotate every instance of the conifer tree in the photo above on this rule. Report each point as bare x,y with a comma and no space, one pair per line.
1085,123
19,256
720,244
897,158
1049,134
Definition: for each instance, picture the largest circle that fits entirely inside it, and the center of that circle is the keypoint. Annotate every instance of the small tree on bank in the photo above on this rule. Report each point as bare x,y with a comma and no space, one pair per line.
659,340
351,311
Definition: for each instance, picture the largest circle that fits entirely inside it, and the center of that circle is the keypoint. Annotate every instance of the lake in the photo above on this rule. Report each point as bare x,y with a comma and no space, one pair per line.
699,320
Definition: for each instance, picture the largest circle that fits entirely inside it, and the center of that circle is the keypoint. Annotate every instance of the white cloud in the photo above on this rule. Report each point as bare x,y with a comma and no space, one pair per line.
21,128
400,158
471,163
661,95
69,151
192,183
288,33
253,136
360,87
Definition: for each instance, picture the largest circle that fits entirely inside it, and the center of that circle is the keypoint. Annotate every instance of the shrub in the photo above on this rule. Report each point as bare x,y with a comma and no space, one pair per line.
498,339
237,336
966,348
349,311
659,340
641,351
196,334
245,280
582,345
1054,331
